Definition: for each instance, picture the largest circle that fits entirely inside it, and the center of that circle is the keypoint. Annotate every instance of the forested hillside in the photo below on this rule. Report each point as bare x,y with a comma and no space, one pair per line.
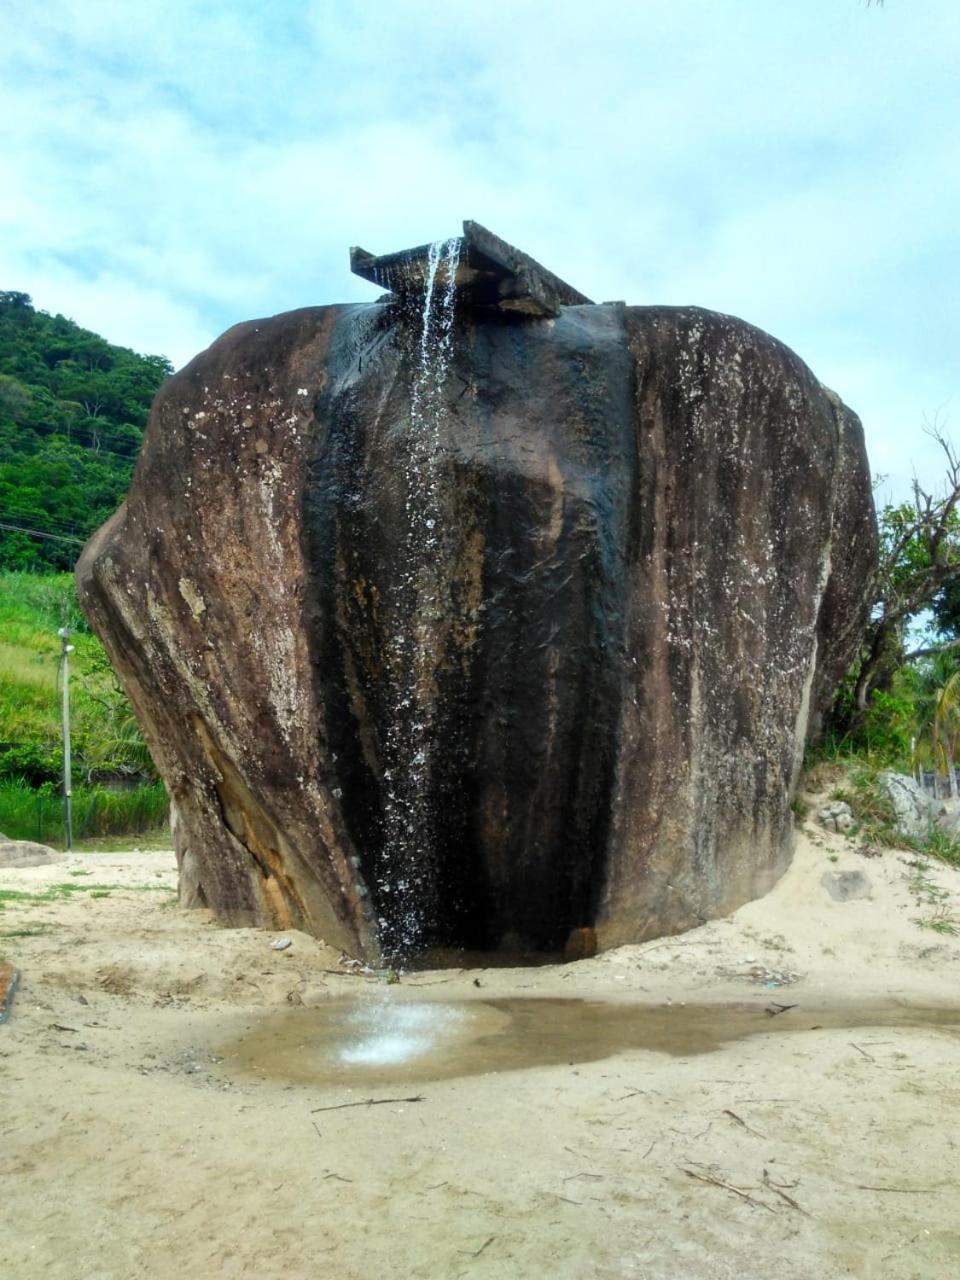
72,412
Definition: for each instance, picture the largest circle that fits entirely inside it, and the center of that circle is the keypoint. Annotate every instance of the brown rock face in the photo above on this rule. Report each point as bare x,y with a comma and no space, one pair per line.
526,649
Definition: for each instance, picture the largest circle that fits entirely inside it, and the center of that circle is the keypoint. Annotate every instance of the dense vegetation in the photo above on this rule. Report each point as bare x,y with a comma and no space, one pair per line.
72,412
900,703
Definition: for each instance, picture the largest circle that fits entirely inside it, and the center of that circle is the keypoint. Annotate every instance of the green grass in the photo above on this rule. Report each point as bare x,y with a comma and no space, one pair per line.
940,922
930,895
876,816
943,847
32,607
60,892
104,732
800,808
28,814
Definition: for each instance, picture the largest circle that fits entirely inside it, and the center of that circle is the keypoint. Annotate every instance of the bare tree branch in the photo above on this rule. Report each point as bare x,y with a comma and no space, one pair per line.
930,650
920,556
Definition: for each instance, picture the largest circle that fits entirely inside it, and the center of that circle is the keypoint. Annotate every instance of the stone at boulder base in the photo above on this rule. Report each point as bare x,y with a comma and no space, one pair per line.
651,530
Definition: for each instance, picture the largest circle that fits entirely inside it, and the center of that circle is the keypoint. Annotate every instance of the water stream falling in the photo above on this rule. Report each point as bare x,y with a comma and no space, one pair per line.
406,869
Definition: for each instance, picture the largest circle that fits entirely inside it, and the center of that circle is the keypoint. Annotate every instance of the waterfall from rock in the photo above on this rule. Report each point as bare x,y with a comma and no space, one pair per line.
406,868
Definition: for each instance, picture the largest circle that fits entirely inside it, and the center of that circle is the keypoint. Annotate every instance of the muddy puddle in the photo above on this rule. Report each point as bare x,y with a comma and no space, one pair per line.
390,1038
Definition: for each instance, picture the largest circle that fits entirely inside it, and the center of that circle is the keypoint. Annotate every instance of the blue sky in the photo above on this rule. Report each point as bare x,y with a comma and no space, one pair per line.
172,168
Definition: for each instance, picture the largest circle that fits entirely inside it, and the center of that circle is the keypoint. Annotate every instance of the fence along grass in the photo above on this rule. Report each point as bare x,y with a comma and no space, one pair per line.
28,814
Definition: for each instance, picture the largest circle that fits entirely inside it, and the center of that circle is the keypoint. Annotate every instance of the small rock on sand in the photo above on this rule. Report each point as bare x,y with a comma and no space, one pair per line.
24,853
846,886
837,817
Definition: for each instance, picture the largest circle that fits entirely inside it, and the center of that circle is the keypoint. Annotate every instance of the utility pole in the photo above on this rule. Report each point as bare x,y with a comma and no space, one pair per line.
65,651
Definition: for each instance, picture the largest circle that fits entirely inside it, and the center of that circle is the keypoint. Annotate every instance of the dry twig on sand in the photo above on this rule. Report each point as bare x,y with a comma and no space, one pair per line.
907,1191
727,1186
742,1123
475,1253
366,1102
778,1190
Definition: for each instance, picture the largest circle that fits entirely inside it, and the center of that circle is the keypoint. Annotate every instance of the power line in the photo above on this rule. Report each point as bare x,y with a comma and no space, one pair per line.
86,444
129,459
38,533
52,524
38,513
107,431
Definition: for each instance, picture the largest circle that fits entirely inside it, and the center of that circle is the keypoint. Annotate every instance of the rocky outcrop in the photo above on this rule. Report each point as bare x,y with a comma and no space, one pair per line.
654,530
914,812
25,853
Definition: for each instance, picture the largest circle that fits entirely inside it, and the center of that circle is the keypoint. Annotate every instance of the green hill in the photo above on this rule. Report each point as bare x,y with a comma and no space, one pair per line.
73,408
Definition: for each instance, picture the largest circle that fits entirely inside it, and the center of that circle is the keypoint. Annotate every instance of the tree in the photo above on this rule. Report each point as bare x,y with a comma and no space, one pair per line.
15,399
13,301
936,707
919,564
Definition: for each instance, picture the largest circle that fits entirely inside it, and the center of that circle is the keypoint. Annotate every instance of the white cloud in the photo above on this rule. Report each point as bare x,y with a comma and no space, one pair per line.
176,167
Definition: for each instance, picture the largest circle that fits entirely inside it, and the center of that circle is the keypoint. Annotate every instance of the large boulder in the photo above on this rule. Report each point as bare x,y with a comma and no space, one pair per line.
573,698
915,812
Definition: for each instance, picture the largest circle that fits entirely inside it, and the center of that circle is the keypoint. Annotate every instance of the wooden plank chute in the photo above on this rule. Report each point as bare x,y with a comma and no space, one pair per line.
490,273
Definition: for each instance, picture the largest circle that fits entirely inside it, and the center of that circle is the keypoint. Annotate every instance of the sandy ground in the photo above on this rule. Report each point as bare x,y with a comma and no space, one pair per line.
142,1136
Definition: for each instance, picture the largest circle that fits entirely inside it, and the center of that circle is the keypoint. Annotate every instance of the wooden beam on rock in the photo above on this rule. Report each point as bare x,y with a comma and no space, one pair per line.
490,274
